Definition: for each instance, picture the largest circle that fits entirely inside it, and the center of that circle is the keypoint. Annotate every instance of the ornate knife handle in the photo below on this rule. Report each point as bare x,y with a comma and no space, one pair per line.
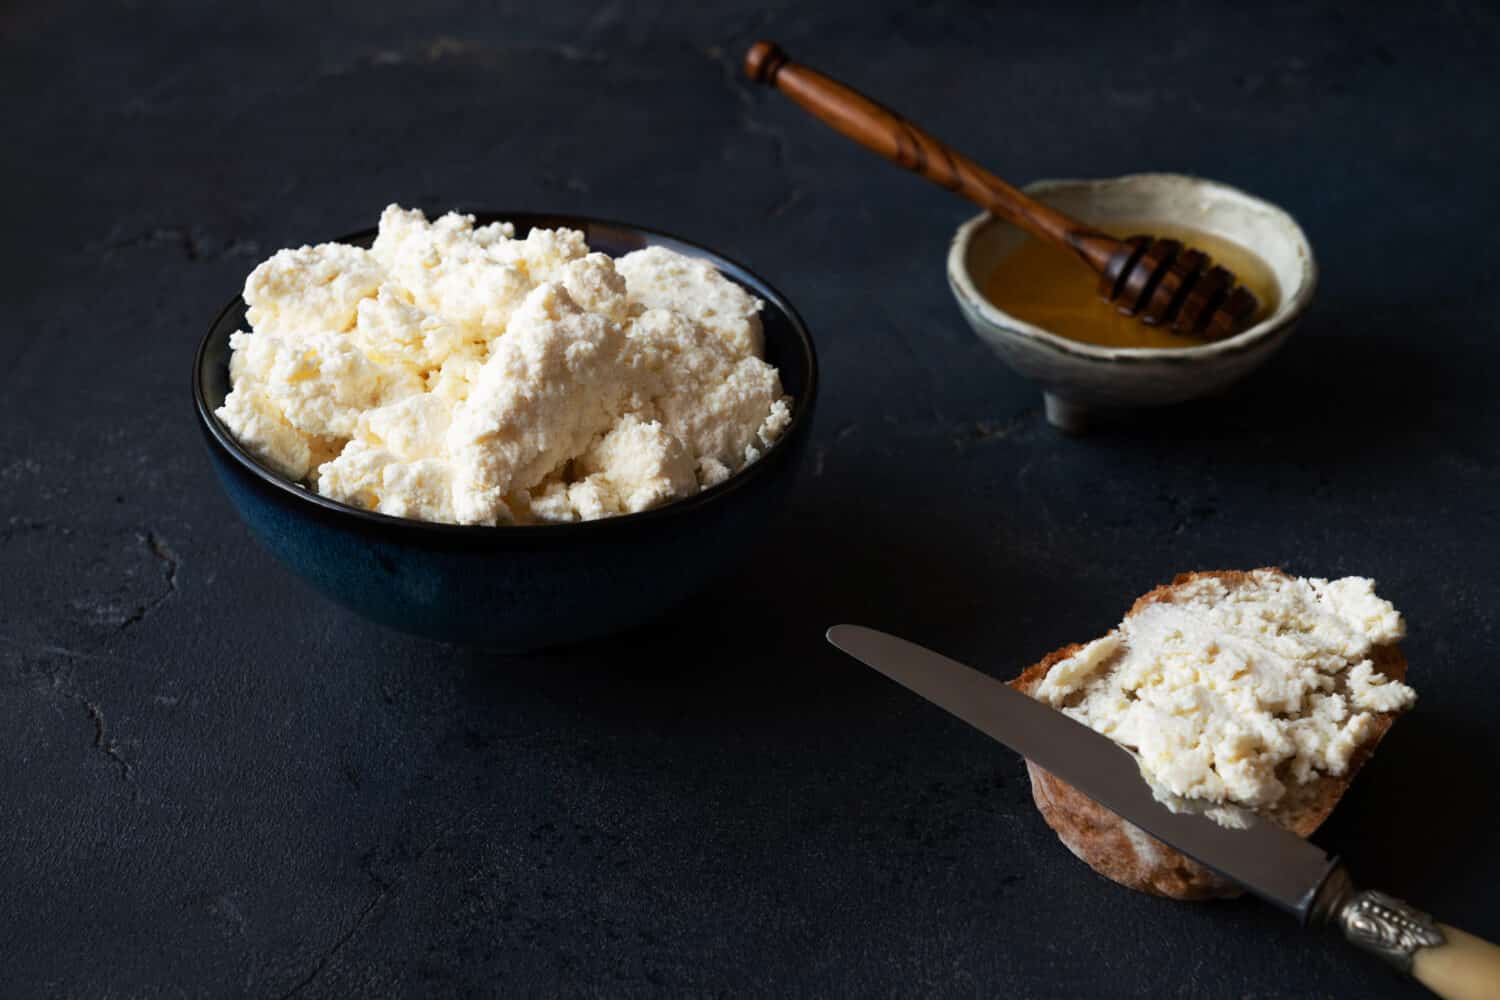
1388,927
1454,965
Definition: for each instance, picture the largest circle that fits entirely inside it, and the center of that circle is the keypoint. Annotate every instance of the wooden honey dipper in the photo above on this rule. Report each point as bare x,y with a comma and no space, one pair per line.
1159,281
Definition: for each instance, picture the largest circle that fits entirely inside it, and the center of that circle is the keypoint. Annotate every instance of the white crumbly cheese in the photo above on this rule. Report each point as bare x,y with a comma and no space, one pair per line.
455,373
594,284
396,462
367,475
259,425
311,289
450,269
390,329
640,464
1228,695
319,381
544,254
634,467
455,376
657,278
721,405
552,383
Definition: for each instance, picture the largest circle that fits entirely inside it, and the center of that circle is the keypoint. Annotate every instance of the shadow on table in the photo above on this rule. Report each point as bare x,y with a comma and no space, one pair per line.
1332,395
753,642
1424,804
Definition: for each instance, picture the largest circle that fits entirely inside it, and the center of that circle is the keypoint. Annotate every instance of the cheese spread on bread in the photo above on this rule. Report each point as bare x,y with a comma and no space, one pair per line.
1228,695
453,372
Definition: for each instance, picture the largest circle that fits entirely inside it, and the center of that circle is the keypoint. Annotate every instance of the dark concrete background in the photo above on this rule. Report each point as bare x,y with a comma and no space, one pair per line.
214,782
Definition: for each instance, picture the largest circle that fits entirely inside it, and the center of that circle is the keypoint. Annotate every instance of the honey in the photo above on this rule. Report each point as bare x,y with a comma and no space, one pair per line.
1051,288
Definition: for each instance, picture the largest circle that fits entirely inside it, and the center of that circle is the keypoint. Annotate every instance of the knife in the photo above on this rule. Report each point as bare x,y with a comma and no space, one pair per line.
1274,864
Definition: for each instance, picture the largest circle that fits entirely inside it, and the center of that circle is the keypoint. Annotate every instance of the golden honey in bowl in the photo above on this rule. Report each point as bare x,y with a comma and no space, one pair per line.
1053,289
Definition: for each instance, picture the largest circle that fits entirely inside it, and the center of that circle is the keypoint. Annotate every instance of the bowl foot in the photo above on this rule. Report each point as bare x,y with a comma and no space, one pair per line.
1066,415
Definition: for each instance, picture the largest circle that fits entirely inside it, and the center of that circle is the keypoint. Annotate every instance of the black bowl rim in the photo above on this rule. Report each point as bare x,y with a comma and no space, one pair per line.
600,528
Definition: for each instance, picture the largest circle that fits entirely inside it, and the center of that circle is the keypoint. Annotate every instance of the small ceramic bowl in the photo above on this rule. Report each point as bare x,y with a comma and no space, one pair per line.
1081,380
519,587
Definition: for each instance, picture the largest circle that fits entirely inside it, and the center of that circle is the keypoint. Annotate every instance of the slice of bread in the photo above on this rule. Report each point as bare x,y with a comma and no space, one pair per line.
1124,853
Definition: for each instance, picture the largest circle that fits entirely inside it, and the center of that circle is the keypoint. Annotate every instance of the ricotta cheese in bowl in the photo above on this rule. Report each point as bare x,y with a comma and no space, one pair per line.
438,373
454,373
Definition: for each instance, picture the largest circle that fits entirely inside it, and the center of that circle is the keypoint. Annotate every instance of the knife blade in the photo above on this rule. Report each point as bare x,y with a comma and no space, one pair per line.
1274,864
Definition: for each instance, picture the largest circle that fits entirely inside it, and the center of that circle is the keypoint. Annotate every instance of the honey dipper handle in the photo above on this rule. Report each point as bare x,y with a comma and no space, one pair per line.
883,131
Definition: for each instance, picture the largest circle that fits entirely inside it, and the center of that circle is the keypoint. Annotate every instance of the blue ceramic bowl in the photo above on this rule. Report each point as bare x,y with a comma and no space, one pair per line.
519,587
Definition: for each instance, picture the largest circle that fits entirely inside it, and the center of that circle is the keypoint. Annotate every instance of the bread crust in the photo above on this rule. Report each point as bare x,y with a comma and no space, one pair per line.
1124,853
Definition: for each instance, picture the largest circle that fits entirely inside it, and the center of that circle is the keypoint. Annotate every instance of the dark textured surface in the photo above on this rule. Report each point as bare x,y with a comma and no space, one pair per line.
215,782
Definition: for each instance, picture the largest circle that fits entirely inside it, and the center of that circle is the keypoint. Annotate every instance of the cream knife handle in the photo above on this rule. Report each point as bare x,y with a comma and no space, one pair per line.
1449,962
1464,967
